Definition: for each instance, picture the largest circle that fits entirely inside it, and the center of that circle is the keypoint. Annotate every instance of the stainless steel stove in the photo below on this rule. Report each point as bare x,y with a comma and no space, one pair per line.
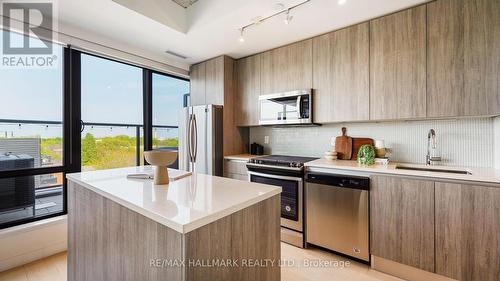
287,172
280,161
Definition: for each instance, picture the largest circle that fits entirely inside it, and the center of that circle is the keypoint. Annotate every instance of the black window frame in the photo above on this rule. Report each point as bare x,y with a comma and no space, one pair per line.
73,125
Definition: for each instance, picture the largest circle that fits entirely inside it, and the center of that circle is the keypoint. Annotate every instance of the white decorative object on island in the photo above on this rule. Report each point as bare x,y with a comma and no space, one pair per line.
160,159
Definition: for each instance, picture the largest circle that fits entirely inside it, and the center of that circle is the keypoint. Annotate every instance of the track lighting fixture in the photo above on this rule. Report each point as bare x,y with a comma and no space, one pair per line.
287,20
241,39
289,17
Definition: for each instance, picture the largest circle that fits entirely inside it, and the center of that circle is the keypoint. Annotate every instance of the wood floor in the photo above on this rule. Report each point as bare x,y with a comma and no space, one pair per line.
54,268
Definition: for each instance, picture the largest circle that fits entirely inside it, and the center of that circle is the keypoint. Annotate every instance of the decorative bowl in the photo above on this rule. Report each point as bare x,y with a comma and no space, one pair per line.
160,159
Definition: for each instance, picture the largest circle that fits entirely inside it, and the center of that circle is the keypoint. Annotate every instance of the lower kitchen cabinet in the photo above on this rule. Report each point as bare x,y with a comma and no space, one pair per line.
235,169
450,229
402,220
467,231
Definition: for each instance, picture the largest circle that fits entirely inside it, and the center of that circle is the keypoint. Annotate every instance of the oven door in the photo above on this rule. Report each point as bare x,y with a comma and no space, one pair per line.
291,197
285,108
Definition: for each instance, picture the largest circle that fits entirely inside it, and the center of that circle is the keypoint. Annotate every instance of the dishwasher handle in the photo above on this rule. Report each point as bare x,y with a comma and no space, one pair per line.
352,182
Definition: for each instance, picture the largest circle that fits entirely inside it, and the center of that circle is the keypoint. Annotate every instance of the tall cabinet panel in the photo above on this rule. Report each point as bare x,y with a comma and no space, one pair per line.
398,65
214,82
341,75
402,221
248,91
287,68
482,56
467,227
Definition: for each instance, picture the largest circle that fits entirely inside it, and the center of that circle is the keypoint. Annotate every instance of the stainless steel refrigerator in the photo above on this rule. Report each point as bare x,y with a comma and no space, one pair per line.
200,139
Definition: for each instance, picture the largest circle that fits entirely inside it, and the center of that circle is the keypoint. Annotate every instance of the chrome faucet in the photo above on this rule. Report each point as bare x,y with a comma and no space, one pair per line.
431,138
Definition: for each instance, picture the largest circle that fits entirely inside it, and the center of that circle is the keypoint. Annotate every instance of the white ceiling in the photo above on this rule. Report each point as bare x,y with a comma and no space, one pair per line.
209,28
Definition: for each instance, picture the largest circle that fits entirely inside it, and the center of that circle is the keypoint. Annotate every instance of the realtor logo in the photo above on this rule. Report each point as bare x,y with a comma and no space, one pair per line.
28,34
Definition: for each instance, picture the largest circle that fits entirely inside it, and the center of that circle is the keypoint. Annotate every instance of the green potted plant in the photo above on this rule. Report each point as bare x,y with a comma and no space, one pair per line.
366,155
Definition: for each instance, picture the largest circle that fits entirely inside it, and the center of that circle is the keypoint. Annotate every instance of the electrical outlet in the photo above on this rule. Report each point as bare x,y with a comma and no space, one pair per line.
266,139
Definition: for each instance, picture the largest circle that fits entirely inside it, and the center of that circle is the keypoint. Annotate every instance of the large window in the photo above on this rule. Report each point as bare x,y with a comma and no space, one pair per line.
87,113
168,95
111,105
31,141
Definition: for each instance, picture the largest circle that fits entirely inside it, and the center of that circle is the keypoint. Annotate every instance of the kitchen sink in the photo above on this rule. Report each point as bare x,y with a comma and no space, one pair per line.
437,170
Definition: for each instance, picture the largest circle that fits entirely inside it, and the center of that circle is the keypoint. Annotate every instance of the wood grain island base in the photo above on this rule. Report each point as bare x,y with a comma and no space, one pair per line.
110,241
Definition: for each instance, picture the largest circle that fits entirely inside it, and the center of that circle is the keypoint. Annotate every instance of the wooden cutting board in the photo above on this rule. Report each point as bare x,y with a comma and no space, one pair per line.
357,143
343,145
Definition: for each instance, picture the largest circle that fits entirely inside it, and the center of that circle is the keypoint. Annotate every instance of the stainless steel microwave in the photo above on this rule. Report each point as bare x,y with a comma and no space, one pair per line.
294,107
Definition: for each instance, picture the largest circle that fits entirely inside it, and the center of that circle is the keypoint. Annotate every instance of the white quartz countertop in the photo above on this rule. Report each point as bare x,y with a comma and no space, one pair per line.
480,175
183,205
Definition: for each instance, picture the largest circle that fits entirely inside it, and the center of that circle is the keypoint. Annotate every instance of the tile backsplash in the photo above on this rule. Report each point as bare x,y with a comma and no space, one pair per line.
460,142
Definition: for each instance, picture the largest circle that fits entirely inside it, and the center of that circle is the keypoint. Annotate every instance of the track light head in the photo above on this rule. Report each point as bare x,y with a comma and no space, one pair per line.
288,17
241,38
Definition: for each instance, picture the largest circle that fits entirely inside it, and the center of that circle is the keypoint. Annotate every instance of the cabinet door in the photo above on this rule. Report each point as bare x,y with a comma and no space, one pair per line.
214,81
463,77
398,65
482,57
467,227
287,68
402,221
341,74
248,91
445,59
197,84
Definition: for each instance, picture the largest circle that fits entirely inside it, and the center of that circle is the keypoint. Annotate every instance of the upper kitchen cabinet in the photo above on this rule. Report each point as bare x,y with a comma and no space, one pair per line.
463,58
207,81
341,75
197,83
248,91
398,65
482,56
214,82
287,68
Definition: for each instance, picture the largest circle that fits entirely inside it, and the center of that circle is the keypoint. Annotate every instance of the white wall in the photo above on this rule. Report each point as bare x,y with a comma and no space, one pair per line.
462,142
496,133
29,242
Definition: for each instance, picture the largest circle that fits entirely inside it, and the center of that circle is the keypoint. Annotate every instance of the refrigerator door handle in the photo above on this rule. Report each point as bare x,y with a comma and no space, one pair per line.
189,138
195,143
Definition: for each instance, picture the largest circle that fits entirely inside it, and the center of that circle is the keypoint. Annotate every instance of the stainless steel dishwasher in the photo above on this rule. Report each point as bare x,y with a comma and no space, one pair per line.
337,213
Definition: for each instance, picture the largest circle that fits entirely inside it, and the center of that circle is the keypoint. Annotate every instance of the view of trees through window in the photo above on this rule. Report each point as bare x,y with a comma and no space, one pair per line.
112,97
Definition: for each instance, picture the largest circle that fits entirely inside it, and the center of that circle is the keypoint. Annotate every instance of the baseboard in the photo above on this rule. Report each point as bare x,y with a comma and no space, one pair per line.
404,271
29,242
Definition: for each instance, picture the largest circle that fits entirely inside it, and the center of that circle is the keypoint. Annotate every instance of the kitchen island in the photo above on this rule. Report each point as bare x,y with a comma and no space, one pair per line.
199,227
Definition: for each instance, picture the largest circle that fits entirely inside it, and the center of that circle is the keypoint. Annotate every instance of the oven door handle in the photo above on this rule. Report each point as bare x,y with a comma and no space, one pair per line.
275,176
